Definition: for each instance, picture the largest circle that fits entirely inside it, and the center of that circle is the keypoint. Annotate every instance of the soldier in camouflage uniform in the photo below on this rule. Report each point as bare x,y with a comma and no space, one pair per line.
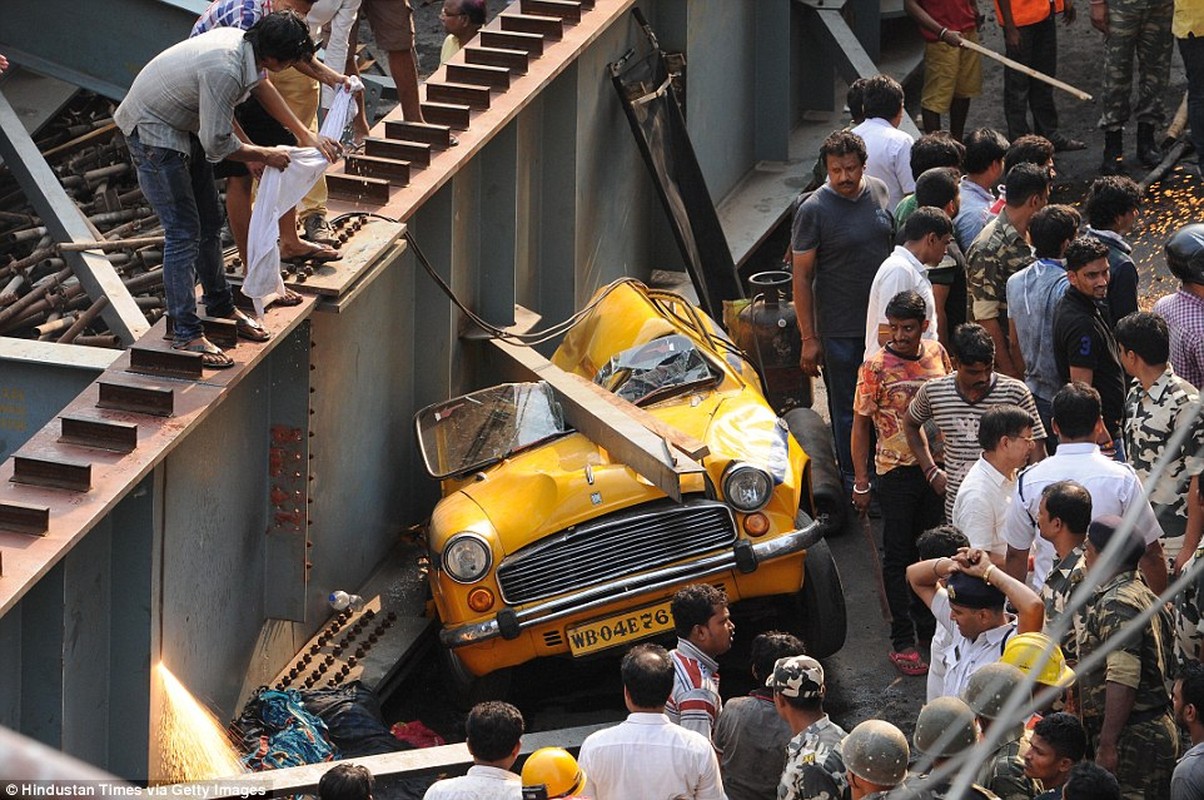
814,766
1125,703
1062,519
944,729
1160,403
1000,251
1189,621
1003,771
1141,28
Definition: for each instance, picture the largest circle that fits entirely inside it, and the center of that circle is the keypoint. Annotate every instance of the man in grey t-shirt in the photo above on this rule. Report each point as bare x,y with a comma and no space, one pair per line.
1187,783
842,232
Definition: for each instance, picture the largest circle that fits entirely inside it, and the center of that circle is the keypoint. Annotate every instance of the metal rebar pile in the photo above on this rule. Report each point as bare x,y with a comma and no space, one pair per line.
40,298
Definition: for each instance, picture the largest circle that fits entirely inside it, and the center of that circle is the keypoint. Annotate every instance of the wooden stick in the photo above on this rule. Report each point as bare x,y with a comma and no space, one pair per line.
116,244
1016,65
1175,129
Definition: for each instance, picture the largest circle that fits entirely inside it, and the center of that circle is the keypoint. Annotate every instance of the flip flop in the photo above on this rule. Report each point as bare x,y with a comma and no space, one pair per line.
909,662
248,328
212,356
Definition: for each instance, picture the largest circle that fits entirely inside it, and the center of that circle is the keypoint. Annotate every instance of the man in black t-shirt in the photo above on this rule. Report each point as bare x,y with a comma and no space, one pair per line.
1085,349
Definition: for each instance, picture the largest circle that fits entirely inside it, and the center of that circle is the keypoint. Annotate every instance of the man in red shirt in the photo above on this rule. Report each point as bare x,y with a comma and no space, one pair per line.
952,73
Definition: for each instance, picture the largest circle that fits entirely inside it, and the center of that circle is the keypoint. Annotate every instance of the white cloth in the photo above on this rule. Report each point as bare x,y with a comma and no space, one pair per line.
280,190
481,783
1113,488
342,109
900,272
339,15
964,657
888,157
650,758
981,506
942,643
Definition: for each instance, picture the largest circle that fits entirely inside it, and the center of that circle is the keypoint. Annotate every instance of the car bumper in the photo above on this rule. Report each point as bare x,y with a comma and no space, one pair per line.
511,623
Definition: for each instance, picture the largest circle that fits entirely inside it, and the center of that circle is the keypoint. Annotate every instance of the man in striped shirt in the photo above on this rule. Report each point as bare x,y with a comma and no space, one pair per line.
955,403
704,632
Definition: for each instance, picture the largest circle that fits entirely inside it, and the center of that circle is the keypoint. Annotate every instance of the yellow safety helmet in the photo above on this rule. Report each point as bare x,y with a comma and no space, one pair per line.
1031,652
555,771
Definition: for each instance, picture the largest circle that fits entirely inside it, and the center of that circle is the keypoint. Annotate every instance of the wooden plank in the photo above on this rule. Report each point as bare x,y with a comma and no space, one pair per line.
620,433
437,136
513,60
393,170
472,96
678,438
550,28
568,10
532,43
453,115
491,77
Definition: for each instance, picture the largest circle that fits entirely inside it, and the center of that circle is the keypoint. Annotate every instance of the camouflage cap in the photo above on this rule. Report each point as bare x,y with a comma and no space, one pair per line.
797,676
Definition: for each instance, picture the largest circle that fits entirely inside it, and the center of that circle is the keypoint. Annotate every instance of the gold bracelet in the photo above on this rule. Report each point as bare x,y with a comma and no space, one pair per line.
986,576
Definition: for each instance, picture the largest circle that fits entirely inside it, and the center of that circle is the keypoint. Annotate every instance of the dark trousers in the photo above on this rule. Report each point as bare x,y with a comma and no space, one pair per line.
909,507
842,357
1192,50
1039,50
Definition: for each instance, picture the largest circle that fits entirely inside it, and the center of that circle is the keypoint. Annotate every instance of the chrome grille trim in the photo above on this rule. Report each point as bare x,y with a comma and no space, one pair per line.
625,543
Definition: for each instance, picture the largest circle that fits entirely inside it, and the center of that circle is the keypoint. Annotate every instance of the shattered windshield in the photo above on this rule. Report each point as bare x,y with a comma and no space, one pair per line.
478,429
656,370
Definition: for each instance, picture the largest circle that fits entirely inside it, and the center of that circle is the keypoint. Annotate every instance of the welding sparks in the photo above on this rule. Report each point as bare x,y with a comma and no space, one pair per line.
192,744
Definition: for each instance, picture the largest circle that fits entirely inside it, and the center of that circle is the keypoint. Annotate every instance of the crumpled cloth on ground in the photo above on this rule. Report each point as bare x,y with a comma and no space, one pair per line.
281,190
278,732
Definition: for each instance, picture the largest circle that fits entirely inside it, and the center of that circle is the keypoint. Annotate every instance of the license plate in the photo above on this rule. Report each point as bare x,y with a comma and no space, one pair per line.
620,629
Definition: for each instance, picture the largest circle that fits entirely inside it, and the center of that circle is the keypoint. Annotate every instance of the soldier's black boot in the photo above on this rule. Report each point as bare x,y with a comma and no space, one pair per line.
1148,153
1114,153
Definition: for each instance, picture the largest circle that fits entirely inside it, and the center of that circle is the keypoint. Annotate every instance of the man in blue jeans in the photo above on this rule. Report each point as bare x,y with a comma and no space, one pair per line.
842,232
178,119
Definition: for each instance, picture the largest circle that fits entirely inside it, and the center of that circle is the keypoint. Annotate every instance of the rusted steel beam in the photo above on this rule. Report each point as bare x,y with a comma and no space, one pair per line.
512,59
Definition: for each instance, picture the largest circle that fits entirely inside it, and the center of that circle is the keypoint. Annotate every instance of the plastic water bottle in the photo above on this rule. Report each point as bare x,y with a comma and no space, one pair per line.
340,600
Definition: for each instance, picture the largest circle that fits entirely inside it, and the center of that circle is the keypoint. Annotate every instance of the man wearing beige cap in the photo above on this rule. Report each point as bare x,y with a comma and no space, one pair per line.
813,758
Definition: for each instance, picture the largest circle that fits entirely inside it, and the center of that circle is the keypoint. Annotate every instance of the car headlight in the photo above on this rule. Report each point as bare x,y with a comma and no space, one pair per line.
746,488
466,558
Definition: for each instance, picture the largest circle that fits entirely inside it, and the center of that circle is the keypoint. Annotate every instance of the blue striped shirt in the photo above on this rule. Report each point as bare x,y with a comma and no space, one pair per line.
241,14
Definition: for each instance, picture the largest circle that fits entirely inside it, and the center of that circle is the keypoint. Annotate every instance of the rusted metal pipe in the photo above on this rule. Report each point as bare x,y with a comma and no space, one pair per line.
84,320
102,340
114,244
26,235
31,298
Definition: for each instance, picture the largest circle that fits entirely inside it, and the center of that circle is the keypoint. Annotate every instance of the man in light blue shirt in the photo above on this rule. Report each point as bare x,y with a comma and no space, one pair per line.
1033,294
985,149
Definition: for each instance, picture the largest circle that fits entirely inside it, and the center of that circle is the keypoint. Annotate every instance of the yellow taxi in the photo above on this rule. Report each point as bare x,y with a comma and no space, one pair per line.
544,544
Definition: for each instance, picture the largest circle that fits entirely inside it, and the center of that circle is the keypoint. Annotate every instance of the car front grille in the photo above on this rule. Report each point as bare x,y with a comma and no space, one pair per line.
625,543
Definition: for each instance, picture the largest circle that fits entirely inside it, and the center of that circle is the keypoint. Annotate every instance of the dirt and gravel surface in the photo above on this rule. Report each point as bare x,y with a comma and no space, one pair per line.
863,684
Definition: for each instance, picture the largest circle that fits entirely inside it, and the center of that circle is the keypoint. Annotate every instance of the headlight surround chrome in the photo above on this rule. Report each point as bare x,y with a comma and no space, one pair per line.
747,488
467,557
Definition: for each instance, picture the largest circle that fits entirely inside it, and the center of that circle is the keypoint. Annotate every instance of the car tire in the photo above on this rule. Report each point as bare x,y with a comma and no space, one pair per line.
816,612
466,689
827,488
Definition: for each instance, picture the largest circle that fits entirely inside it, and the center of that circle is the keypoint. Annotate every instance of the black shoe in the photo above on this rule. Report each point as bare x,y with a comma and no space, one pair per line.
1148,153
1062,144
1114,153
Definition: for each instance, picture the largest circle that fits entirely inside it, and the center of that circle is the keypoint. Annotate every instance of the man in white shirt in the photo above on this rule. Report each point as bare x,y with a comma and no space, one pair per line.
647,756
926,234
888,149
1005,433
1113,487
971,608
493,730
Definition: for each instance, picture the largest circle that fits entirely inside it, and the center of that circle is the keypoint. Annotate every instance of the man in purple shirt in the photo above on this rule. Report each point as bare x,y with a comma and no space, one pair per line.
1184,310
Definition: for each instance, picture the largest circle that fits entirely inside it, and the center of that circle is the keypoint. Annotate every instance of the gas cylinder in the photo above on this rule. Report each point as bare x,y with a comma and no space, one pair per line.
767,331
